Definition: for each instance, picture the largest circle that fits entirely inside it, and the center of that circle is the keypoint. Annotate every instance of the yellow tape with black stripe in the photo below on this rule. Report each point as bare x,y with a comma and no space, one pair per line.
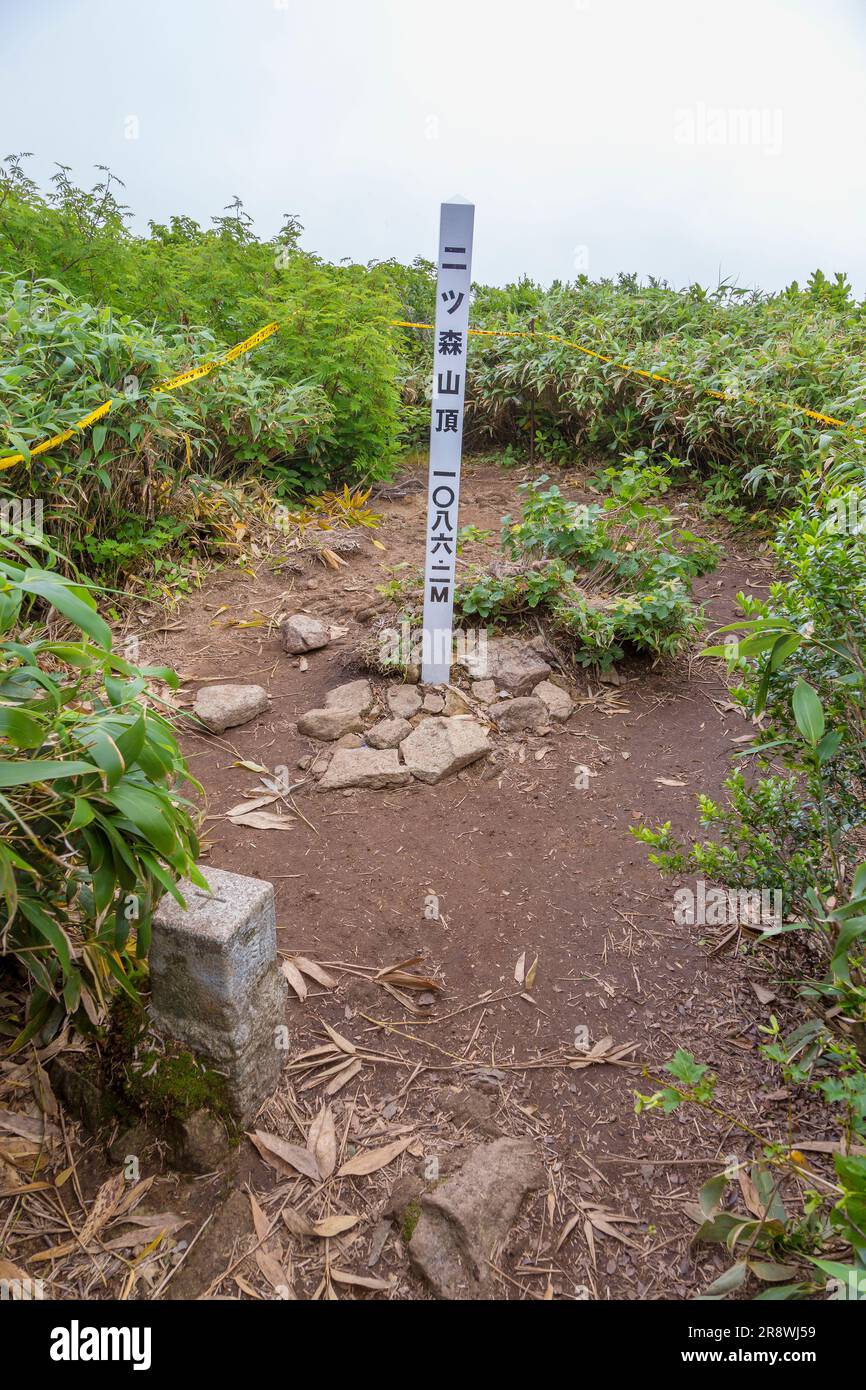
58,439
204,369
680,383
170,384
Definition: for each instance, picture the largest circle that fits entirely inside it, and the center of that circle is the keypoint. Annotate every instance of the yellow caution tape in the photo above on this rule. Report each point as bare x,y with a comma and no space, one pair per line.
58,439
205,368
171,384
651,376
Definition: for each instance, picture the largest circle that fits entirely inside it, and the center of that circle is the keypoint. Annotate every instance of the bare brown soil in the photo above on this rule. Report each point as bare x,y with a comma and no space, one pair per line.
520,862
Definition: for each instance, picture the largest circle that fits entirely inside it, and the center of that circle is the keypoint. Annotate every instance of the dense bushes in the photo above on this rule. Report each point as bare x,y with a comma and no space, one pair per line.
60,358
222,284
92,829
802,346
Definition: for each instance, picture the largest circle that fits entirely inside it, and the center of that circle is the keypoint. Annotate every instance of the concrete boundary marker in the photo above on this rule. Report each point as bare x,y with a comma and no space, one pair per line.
216,984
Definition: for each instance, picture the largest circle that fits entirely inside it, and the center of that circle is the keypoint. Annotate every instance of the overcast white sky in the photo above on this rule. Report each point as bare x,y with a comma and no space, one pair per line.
678,138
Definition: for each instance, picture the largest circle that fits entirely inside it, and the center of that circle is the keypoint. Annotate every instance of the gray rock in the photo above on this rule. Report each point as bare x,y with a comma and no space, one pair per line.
199,1144
216,987
301,632
364,767
329,724
221,707
350,741
558,701
525,712
485,691
388,733
355,695
440,746
512,664
456,703
466,1219
404,701
433,703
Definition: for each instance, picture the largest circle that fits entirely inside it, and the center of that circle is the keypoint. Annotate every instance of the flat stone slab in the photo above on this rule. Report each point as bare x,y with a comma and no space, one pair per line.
524,712
329,724
511,664
559,703
354,695
221,707
404,700
465,1220
302,632
388,733
441,746
364,767
485,691
216,987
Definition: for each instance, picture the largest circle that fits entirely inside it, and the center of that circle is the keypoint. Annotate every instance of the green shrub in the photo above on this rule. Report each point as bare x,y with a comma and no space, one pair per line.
790,1220
799,660
93,828
60,359
800,346
334,346
797,827
609,576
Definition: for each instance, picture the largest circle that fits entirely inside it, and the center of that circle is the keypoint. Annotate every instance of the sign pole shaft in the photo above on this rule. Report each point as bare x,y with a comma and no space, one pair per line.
453,284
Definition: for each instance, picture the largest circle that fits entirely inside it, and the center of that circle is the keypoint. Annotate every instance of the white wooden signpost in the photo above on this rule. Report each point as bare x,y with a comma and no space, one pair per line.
454,279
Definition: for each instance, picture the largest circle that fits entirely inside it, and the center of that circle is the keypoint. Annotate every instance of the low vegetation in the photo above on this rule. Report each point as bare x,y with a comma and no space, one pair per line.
715,399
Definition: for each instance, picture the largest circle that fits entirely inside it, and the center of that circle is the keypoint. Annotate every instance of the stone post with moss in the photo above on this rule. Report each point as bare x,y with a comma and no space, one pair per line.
216,985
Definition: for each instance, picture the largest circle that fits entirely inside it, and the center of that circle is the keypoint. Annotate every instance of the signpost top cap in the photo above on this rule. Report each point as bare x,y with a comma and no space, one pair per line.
457,199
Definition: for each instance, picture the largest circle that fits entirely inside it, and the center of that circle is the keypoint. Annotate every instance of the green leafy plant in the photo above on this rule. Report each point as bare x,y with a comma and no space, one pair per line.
608,576
795,1231
797,827
737,355
93,828
61,358
639,476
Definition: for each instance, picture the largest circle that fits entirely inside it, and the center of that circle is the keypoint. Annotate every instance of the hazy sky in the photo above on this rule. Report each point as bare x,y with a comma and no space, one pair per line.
678,138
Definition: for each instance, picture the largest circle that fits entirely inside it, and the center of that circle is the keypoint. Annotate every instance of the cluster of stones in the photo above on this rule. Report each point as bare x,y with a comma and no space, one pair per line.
423,733
225,706
430,734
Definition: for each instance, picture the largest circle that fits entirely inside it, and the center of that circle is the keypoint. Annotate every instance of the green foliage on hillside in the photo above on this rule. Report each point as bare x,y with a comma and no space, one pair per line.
207,289
213,286
802,346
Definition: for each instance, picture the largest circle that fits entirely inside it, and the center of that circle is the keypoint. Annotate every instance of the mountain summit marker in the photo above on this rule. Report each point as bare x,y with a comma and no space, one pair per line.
453,284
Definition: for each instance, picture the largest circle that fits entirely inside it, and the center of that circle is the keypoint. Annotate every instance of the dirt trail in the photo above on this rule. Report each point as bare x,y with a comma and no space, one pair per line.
520,862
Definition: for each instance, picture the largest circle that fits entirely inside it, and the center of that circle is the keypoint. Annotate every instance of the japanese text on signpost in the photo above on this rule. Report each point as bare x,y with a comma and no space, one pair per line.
446,435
